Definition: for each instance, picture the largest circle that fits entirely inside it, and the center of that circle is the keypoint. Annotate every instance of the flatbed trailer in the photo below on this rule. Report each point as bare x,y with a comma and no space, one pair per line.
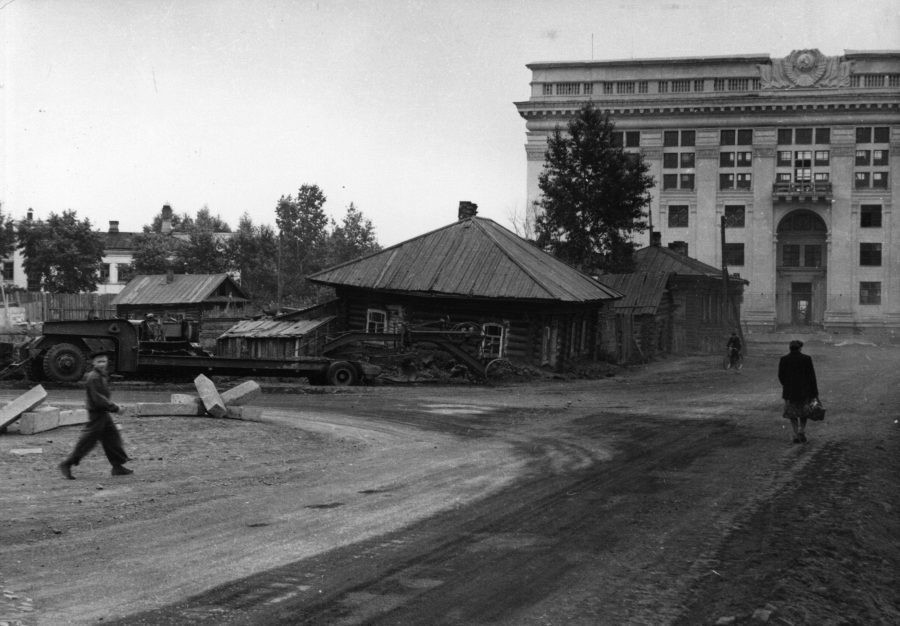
61,354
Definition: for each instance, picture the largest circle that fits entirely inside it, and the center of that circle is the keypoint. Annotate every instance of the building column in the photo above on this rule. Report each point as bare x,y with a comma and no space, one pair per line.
842,254
761,252
890,288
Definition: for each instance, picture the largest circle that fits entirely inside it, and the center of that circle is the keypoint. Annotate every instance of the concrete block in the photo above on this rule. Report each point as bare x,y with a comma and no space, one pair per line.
210,397
70,417
156,409
37,421
246,413
27,401
183,398
242,394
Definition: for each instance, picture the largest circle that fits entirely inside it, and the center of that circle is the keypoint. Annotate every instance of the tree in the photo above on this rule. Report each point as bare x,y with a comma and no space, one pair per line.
7,234
154,253
302,232
62,254
352,238
594,195
202,249
253,251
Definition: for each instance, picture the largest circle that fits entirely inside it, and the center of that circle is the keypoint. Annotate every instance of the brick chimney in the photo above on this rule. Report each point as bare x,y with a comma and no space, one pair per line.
170,276
681,247
113,226
467,209
30,215
655,238
166,219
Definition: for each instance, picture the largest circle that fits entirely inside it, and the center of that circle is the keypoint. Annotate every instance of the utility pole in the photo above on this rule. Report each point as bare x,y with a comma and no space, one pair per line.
278,282
724,275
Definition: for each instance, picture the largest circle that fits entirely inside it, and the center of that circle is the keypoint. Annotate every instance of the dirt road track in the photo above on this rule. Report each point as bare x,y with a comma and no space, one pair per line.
671,495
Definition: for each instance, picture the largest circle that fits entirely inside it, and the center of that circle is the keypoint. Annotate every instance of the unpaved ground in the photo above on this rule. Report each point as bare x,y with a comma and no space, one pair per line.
669,495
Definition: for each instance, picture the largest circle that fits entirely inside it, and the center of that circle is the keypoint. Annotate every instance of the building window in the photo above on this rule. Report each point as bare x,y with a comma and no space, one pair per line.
104,273
785,136
376,321
699,85
893,80
790,255
879,157
734,254
726,181
607,88
735,215
820,177
726,159
862,180
642,86
123,272
873,134
662,86
738,84
812,256
803,136
588,88
678,216
870,216
719,84
492,341
783,177
675,159
681,86
744,159
8,271
547,89
744,181
631,139
625,86
879,180
863,157
821,157
870,293
870,254
823,136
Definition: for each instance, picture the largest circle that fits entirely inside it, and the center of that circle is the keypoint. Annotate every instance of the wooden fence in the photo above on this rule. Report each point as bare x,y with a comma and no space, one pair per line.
48,307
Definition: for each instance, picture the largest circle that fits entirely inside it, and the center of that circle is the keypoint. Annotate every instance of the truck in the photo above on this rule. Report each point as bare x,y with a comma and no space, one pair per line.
61,354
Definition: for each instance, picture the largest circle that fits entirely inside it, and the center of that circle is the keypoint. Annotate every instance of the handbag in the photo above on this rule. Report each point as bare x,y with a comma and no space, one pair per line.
814,410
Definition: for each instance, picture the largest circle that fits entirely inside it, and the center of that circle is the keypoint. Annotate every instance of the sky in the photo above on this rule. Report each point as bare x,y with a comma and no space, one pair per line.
112,108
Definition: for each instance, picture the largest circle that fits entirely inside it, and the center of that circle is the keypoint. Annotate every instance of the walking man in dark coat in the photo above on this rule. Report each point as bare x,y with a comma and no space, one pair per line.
100,426
798,382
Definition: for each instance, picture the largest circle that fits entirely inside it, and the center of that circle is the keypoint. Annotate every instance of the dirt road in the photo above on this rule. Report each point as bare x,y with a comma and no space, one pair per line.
671,494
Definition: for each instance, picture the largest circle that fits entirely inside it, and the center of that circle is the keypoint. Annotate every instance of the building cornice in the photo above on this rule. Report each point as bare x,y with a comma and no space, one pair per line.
537,110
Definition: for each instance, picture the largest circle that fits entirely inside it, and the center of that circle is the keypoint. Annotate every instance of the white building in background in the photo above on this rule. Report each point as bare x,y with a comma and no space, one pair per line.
800,155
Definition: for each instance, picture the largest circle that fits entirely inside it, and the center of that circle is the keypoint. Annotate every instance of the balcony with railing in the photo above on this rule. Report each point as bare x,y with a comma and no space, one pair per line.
802,192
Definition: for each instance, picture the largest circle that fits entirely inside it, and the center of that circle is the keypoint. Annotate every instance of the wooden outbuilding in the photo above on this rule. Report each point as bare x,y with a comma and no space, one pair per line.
528,306
196,306
704,313
645,315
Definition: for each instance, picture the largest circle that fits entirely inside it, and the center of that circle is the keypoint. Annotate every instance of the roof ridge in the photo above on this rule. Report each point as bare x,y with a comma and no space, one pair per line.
514,260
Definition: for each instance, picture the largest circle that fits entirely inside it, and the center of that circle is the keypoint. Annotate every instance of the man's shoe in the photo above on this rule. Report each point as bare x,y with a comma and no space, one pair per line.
66,469
121,470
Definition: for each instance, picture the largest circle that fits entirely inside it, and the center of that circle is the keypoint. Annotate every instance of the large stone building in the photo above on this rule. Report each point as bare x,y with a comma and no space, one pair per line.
801,155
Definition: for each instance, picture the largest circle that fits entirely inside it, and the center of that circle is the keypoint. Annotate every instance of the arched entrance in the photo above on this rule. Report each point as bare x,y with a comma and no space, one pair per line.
801,269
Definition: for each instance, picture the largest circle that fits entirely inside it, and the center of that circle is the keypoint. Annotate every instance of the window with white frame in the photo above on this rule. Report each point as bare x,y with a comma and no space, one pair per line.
492,336
8,271
376,321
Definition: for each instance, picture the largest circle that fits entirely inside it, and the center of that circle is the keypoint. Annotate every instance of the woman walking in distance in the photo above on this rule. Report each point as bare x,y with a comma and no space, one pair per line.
798,384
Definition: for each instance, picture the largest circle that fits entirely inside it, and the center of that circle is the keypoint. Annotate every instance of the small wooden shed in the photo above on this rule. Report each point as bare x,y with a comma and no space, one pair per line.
644,315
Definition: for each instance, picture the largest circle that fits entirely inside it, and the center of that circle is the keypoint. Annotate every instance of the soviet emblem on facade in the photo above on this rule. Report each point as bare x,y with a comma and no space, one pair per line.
805,68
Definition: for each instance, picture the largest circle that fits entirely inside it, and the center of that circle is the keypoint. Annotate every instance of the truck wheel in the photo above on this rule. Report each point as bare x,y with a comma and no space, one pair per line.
64,363
342,374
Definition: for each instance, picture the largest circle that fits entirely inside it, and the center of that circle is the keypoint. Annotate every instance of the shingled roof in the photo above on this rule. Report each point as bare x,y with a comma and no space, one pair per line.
474,258
182,289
